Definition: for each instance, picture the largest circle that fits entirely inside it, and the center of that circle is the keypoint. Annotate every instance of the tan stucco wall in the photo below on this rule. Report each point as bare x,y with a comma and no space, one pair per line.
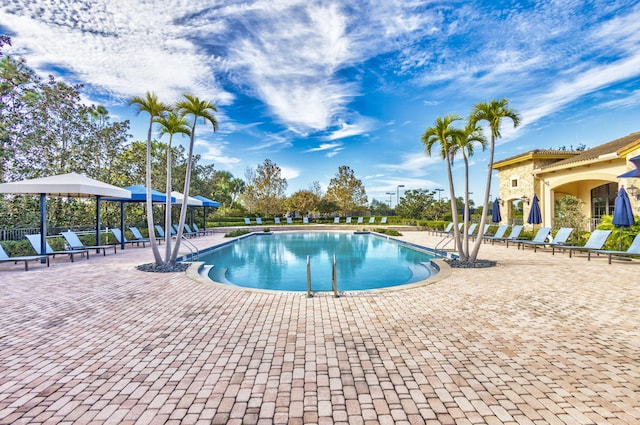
549,185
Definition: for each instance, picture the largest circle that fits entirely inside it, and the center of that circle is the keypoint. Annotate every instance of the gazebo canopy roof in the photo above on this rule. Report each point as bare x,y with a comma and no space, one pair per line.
65,185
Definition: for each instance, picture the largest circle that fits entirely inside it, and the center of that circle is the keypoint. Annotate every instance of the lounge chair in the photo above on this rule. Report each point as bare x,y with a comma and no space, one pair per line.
383,220
205,231
258,220
289,220
348,220
247,221
189,231
632,251
305,220
500,232
595,242
34,240
26,258
276,220
161,232
372,220
560,239
336,220
539,238
75,243
475,235
360,220
186,230
513,235
472,228
447,230
123,239
137,236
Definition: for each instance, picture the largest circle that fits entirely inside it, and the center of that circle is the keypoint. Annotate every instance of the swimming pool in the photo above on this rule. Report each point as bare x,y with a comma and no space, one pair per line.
278,261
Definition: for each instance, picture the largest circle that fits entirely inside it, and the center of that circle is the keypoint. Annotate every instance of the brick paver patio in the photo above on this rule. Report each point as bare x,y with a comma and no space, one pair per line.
538,339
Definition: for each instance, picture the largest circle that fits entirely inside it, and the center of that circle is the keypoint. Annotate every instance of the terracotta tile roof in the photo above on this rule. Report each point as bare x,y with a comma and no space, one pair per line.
614,146
541,153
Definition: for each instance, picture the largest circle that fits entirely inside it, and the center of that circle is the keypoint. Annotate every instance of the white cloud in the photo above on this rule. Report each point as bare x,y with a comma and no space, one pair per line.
325,147
215,153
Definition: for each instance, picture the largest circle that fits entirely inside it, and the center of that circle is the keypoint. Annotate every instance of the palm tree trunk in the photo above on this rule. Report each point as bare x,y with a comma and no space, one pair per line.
167,216
183,207
485,207
454,210
465,211
150,224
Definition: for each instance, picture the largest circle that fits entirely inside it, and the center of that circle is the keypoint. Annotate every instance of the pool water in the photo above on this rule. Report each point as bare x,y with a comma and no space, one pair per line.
279,261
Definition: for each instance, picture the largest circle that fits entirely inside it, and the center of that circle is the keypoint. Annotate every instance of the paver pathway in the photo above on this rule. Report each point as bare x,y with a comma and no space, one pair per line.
538,339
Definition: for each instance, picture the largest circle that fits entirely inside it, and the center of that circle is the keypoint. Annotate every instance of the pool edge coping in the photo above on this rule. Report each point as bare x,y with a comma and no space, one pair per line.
444,271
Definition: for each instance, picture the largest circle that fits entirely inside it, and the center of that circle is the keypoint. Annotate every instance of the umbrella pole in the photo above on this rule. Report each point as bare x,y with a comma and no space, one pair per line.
43,226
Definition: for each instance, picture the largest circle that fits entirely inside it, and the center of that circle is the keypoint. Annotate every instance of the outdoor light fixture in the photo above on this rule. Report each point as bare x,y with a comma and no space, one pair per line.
526,199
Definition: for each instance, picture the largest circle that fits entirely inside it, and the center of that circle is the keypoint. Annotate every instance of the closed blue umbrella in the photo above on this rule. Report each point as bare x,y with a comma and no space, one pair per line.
622,212
535,216
495,212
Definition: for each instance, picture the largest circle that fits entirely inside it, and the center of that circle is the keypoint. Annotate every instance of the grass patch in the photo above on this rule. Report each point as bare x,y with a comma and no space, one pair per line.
236,233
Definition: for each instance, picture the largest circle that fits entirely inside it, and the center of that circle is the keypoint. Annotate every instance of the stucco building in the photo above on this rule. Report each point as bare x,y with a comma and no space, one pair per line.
590,175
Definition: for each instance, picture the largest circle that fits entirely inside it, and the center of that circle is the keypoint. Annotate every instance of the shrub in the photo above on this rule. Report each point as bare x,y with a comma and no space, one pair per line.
236,233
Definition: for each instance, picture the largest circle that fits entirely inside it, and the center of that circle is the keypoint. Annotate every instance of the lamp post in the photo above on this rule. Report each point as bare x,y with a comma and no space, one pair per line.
438,190
390,195
398,194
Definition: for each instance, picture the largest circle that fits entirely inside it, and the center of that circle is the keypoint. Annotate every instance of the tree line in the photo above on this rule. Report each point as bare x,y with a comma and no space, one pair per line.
46,129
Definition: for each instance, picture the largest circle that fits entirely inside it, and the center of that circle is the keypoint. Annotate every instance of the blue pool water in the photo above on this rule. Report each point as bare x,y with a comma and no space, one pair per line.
279,261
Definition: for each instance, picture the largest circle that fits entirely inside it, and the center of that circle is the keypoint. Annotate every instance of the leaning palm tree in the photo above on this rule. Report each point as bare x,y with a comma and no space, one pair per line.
154,108
493,112
443,134
465,143
170,124
191,105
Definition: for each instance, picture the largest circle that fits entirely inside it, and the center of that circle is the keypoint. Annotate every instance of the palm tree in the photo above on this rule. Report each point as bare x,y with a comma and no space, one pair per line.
170,124
443,134
493,112
154,108
191,105
464,143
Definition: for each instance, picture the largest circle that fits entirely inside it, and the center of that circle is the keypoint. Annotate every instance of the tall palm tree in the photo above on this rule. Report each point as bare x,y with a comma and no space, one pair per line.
170,124
493,112
151,105
443,134
465,143
199,109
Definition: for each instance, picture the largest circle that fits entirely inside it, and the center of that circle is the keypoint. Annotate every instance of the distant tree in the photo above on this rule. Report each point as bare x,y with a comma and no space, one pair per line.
236,187
303,201
494,112
249,195
270,187
378,207
415,203
327,206
347,191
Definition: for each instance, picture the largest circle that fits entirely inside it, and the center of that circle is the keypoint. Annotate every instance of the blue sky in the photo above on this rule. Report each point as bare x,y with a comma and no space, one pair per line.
313,85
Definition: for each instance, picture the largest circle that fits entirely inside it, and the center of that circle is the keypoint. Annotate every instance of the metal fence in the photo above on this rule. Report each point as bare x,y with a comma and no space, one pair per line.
18,234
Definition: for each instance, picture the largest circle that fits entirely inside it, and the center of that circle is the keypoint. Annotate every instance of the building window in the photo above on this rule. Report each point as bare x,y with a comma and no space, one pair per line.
514,182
